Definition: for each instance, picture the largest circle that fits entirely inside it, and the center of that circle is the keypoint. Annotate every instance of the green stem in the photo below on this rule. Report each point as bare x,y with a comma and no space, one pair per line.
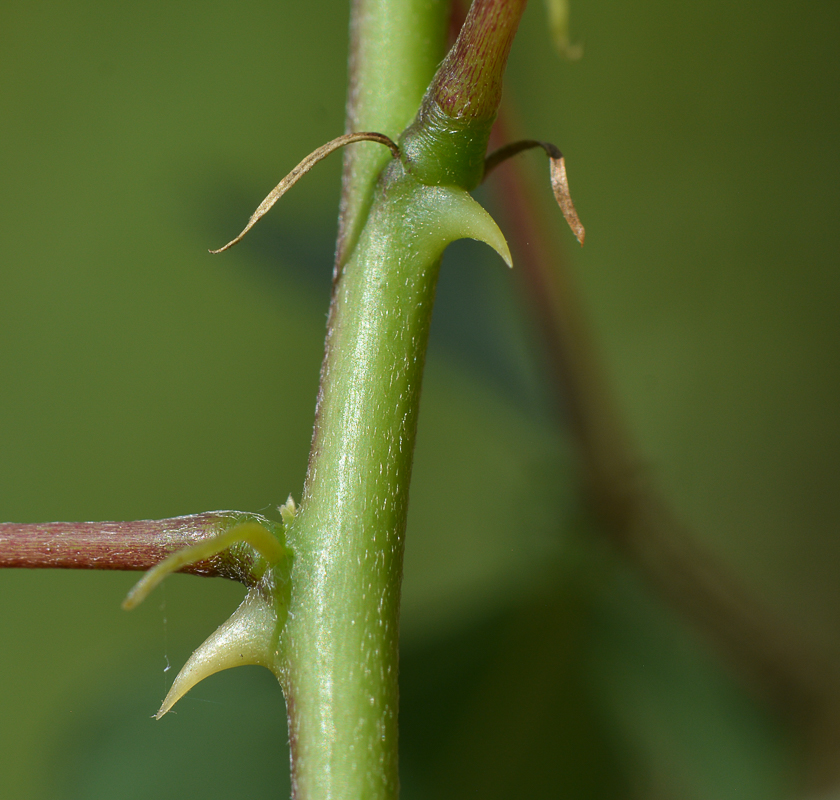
348,539
338,658
341,683
341,637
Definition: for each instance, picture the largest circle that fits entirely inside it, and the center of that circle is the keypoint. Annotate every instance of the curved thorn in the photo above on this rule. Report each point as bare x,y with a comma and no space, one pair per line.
559,181
246,638
457,215
301,169
251,532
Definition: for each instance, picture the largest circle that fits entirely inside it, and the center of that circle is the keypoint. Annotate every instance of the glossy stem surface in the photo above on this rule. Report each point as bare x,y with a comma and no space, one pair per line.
339,647
342,633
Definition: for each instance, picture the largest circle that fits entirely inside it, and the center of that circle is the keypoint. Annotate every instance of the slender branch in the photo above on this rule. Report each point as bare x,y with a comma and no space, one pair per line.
138,545
447,142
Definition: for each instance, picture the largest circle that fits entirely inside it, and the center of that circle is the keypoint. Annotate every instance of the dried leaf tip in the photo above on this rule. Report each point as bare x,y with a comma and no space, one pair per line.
560,187
301,169
557,172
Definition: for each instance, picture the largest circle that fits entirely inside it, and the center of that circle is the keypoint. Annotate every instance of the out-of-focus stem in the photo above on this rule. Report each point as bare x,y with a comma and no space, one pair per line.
395,47
777,663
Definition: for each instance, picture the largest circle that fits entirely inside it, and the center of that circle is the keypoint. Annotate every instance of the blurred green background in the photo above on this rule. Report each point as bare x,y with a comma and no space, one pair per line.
142,378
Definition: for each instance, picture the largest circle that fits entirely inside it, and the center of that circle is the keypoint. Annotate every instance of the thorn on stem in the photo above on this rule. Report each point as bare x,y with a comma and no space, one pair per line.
301,169
559,181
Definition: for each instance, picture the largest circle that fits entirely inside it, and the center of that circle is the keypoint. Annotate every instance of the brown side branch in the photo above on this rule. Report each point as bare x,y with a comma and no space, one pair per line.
468,84
138,545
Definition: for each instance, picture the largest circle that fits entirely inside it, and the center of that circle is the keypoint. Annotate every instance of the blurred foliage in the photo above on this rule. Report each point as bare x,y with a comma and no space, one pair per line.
139,377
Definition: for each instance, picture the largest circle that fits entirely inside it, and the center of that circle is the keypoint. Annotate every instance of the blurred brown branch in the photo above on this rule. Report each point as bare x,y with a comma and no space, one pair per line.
777,662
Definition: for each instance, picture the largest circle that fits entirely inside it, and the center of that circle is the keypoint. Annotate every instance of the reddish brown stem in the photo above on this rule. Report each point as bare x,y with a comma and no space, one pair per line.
137,545
469,82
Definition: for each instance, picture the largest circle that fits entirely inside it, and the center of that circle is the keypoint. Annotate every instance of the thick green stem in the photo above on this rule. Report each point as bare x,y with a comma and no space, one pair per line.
338,657
342,633
341,638
341,684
